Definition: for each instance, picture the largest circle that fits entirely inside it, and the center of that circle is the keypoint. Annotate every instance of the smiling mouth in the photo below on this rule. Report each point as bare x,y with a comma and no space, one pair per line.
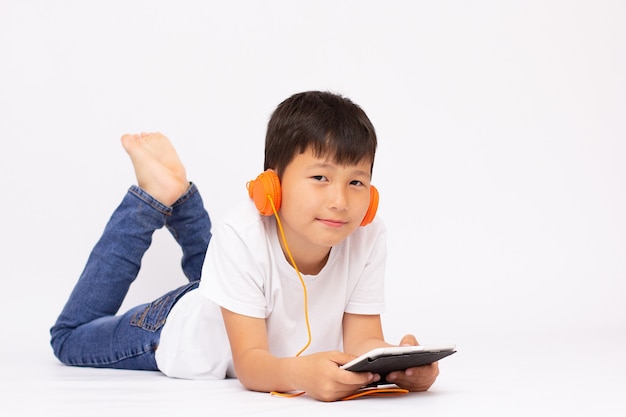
333,223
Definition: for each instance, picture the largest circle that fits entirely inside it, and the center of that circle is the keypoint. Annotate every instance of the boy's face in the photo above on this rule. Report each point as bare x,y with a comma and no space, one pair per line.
322,202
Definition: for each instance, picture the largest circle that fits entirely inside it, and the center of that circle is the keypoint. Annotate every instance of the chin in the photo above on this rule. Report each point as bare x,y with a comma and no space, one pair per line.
331,241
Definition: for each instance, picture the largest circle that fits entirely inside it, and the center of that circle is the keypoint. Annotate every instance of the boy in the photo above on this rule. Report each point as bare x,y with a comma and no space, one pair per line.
292,282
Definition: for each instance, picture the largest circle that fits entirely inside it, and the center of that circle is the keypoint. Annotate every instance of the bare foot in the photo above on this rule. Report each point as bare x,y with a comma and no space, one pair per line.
158,169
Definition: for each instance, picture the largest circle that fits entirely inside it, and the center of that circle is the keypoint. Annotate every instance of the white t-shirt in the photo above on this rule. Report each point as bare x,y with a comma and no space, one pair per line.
245,271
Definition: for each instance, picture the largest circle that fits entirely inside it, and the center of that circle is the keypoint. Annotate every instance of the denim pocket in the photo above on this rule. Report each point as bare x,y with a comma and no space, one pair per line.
154,315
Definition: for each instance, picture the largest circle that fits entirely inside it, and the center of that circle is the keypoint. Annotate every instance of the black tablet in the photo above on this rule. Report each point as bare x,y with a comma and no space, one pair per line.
388,359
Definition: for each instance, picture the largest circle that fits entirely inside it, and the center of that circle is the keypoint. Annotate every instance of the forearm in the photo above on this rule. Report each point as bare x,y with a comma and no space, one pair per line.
362,333
259,370
365,346
317,374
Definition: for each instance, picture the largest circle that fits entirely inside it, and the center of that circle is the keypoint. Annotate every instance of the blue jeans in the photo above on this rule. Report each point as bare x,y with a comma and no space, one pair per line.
89,332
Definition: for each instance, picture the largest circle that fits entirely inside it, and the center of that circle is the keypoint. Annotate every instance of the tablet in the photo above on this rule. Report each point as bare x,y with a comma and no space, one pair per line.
388,359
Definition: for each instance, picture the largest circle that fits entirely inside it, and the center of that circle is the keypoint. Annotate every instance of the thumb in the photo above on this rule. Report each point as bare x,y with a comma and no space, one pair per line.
341,358
408,340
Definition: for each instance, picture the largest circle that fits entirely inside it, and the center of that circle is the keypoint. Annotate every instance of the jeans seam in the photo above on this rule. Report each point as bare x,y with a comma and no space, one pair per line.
139,319
143,351
187,195
151,201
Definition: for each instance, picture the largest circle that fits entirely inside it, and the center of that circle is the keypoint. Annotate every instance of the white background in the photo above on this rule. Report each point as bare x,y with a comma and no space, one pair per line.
501,162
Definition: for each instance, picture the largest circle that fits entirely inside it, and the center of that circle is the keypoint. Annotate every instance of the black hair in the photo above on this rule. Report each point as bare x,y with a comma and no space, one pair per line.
330,124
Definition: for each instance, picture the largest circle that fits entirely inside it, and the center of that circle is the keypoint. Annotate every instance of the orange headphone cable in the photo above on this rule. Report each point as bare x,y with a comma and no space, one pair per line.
293,262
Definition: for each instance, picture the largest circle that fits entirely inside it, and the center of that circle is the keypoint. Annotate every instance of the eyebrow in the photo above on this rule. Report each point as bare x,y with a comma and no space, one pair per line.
328,165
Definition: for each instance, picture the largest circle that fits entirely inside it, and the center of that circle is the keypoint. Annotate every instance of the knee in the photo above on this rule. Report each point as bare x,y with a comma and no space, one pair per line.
58,336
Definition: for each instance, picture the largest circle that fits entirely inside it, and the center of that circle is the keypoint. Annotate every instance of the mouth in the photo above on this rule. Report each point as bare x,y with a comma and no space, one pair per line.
333,223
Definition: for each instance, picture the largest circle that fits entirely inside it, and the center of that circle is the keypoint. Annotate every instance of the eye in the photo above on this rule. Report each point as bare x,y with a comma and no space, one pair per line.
319,177
357,183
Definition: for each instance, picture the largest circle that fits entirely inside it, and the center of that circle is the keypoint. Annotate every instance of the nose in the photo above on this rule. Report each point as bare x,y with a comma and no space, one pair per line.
338,197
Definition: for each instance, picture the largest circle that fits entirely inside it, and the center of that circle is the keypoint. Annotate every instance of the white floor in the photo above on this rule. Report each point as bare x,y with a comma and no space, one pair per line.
501,171
557,377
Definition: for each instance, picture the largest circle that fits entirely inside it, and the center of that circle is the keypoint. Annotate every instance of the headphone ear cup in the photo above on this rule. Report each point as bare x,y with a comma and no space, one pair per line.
373,207
265,187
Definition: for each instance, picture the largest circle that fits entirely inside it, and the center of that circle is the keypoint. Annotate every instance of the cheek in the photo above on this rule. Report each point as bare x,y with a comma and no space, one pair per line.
296,201
364,205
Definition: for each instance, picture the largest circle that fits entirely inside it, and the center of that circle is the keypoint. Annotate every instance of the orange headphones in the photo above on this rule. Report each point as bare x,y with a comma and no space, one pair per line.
267,186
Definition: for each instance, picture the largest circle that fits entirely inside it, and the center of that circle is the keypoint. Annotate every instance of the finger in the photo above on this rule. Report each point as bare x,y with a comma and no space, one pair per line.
431,369
358,379
415,379
408,340
341,358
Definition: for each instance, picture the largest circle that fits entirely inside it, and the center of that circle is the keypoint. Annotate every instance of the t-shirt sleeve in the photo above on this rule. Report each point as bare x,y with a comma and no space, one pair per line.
232,275
370,249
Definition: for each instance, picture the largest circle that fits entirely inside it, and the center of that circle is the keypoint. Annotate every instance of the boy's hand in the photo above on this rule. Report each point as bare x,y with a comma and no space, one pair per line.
416,379
322,379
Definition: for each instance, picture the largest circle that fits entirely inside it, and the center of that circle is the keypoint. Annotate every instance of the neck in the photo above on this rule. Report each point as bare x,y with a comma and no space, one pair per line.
308,262
310,266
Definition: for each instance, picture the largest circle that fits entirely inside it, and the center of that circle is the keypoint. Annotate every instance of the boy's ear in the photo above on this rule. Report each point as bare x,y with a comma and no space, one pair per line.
266,193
